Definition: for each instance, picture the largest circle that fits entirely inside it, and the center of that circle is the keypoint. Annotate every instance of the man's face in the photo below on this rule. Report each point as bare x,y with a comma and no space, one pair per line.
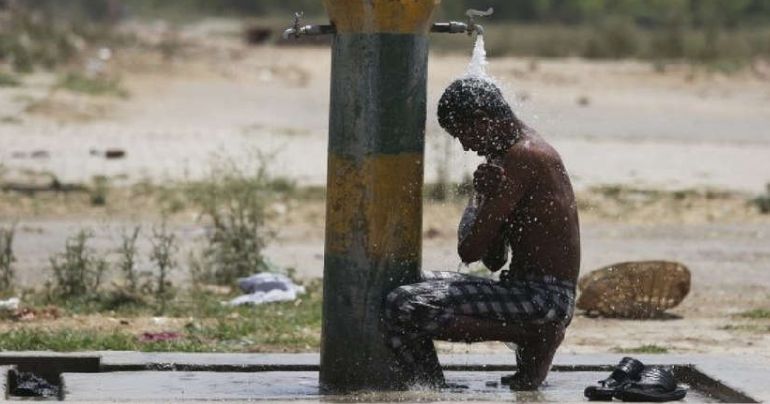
482,136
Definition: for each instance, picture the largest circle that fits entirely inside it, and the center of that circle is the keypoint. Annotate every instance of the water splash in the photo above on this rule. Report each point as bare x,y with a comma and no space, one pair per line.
462,266
478,65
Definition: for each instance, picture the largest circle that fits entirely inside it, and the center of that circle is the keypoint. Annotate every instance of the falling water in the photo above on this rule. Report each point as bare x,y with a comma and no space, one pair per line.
462,266
478,66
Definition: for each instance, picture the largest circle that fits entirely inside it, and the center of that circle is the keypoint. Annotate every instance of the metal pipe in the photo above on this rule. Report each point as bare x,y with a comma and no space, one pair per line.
453,27
309,30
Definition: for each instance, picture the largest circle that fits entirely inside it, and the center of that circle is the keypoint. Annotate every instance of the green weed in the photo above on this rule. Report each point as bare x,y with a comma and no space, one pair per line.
643,349
95,86
213,327
128,258
234,203
756,314
8,80
7,258
78,270
164,246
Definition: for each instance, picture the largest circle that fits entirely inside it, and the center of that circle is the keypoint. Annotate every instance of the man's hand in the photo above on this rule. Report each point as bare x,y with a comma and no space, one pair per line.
489,179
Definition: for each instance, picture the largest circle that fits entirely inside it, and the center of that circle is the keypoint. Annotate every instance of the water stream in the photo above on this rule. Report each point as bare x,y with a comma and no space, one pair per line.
477,68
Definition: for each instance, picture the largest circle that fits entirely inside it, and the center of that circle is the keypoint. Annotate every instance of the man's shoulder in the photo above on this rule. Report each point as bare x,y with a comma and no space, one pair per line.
532,149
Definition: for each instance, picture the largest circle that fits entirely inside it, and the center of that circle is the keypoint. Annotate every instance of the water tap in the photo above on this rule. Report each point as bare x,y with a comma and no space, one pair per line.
297,29
469,27
472,15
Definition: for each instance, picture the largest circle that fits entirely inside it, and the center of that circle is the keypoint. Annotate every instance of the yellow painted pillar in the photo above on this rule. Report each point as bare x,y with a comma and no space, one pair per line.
375,180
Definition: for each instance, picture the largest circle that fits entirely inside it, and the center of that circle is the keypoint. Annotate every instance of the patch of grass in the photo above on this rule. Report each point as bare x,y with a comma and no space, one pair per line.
213,327
756,314
643,349
99,191
9,119
746,327
762,202
8,80
95,86
65,340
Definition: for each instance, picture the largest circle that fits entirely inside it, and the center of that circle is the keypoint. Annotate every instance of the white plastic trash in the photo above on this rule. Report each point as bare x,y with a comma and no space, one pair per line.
267,288
10,304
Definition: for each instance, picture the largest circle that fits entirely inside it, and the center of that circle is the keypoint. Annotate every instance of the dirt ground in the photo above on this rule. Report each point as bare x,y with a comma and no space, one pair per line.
615,123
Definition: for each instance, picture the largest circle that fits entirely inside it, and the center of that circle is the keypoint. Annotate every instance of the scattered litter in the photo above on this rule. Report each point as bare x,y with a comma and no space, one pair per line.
30,314
432,233
31,385
257,35
40,154
159,336
11,304
109,154
216,289
267,288
159,320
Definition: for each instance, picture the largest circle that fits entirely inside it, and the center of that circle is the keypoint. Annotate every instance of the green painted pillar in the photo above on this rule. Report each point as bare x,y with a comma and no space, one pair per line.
374,185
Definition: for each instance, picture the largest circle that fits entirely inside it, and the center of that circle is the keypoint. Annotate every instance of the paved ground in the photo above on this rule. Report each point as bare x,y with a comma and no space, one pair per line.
736,374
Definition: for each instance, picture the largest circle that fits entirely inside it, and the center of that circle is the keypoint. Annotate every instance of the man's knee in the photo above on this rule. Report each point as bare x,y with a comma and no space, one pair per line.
398,304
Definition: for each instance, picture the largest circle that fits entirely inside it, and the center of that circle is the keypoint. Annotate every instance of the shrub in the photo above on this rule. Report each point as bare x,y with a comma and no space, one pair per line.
7,258
234,204
127,262
164,247
78,270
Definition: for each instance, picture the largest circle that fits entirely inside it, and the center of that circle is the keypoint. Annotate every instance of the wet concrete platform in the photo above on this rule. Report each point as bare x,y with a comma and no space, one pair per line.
291,386
132,376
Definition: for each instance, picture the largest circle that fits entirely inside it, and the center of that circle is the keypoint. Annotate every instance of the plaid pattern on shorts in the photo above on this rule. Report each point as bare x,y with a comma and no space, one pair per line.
414,313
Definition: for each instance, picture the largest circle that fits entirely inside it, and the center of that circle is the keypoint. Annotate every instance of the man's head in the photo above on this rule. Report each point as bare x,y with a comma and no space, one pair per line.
476,113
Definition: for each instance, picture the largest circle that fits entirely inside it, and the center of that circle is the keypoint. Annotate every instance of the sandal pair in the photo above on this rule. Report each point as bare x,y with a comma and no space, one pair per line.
631,381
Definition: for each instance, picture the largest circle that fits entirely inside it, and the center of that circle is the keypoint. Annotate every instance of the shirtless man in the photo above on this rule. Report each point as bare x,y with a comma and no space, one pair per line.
523,204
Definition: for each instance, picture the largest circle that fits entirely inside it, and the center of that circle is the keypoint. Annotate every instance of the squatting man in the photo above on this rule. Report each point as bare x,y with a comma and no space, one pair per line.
522,213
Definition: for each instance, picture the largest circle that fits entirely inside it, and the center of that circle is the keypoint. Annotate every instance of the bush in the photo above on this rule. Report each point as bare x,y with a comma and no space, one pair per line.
164,247
127,262
762,202
78,270
234,204
7,258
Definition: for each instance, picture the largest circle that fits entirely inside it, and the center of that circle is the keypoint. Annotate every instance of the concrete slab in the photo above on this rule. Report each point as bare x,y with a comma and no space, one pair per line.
281,386
744,374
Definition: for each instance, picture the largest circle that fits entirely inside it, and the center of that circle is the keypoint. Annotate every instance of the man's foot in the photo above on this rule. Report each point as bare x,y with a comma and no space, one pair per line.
520,382
534,357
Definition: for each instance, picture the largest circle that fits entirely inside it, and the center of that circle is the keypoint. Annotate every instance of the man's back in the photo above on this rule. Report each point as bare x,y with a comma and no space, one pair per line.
543,229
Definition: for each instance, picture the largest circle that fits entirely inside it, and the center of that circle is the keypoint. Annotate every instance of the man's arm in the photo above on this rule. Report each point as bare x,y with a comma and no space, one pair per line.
497,253
500,196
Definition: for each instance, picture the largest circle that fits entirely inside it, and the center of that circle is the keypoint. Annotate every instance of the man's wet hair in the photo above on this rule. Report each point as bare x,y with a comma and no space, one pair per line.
457,107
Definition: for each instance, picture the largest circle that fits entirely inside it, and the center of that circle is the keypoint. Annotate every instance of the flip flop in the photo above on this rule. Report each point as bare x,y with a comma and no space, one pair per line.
655,384
627,370
642,289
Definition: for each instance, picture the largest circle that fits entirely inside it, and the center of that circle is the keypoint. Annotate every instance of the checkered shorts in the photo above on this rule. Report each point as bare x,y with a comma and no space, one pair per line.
415,313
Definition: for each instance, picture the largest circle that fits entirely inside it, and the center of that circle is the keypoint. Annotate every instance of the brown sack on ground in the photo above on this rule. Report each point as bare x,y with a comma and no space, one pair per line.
642,289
